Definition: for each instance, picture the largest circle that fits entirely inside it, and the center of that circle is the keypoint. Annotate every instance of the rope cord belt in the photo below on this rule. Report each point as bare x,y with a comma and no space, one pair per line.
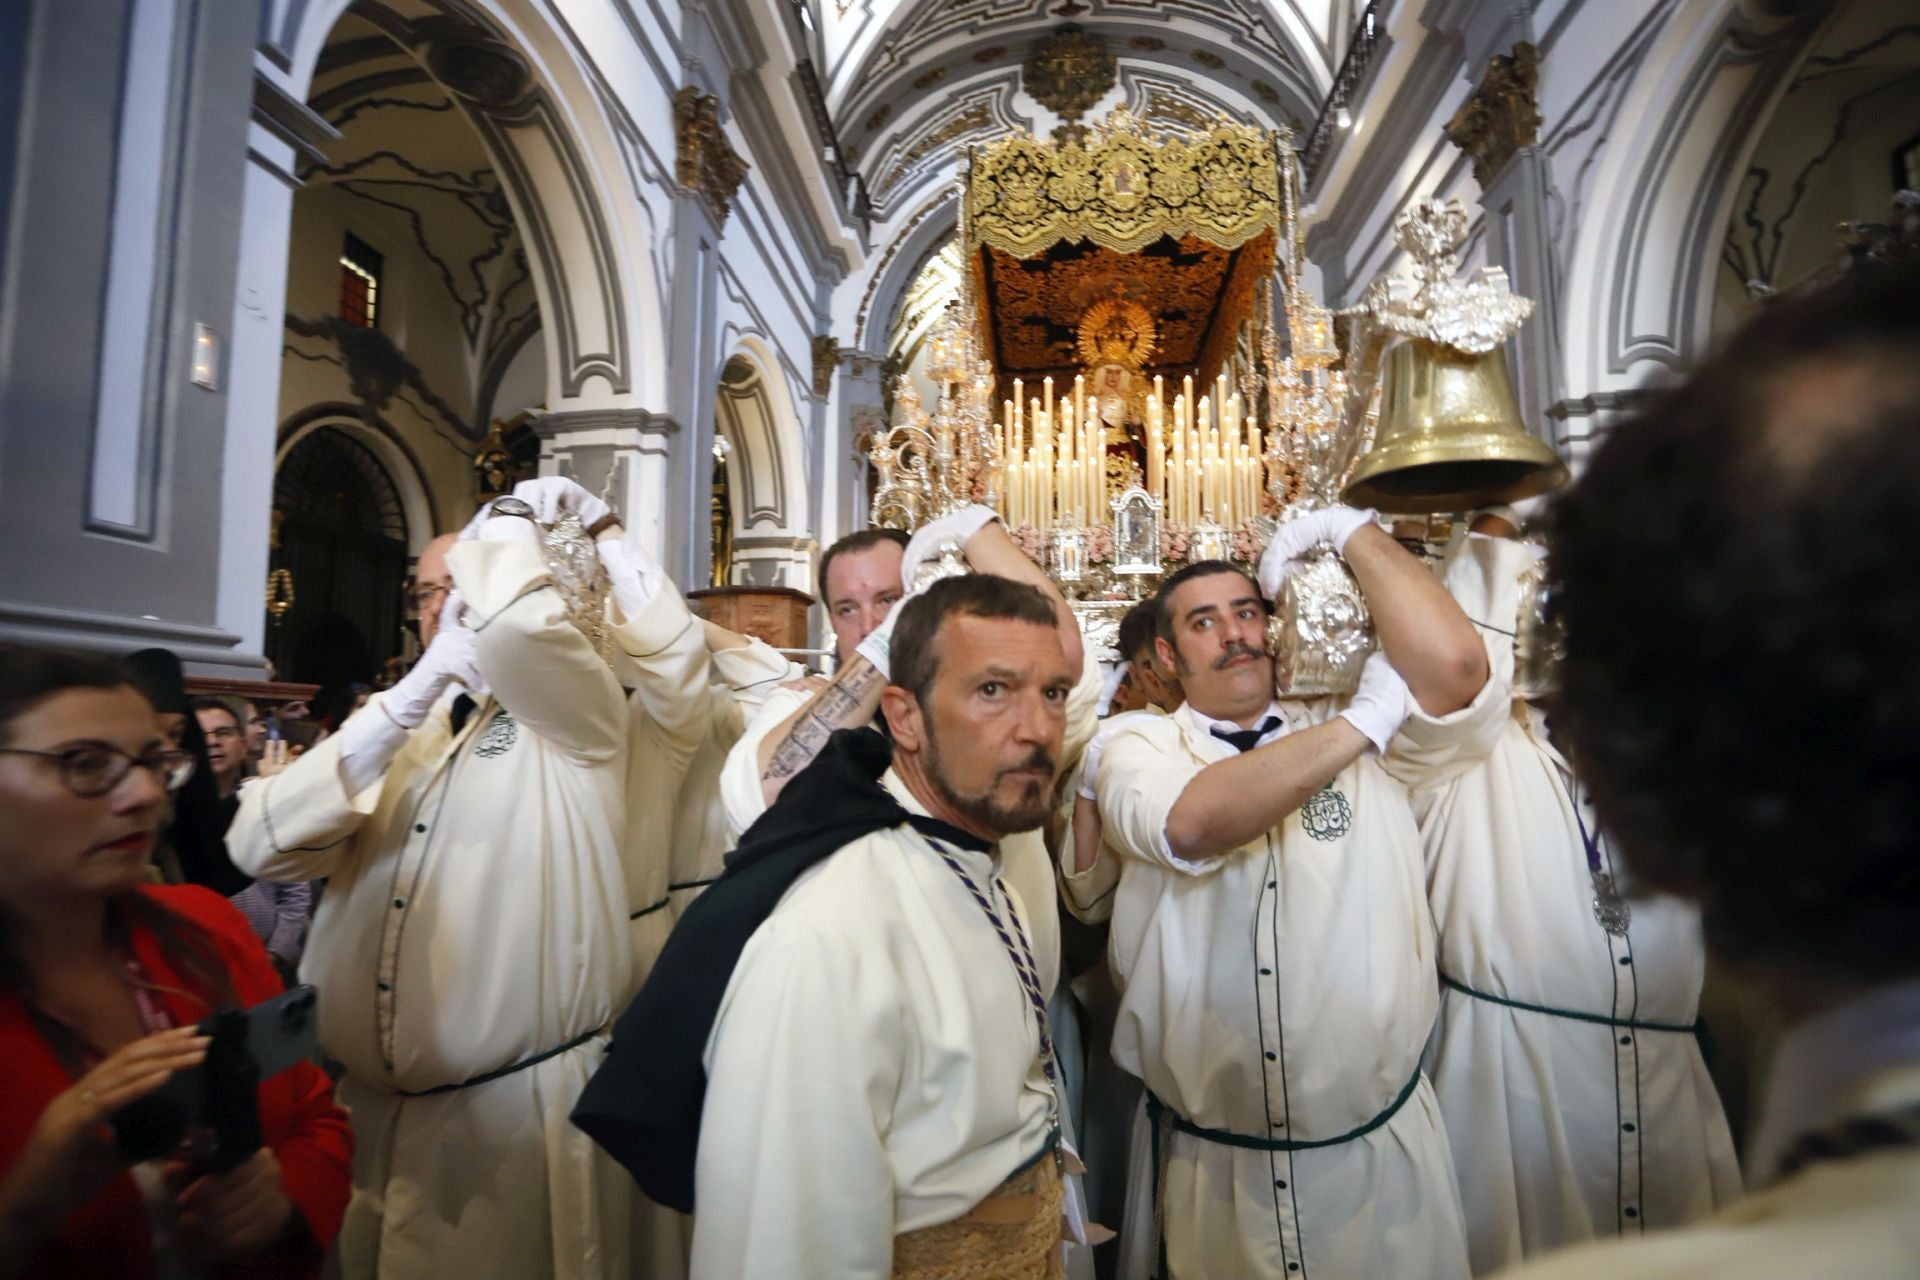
649,910
1157,1109
1682,1028
507,1070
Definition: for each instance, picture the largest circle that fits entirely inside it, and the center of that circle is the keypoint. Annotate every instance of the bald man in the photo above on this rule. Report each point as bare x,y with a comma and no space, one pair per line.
473,942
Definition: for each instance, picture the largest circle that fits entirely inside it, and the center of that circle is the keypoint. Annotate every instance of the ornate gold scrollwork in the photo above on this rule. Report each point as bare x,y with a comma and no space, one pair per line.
1123,188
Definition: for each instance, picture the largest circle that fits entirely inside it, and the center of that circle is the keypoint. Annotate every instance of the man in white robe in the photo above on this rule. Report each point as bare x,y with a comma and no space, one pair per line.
671,706
473,942
1565,1060
792,723
746,672
1740,612
879,1098
1271,936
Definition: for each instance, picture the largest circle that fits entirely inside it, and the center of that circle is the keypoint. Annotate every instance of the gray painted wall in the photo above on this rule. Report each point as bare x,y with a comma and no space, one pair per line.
155,582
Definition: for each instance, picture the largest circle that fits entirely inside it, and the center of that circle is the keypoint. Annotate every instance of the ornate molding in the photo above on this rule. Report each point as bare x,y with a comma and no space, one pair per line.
706,164
826,358
1501,115
1068,73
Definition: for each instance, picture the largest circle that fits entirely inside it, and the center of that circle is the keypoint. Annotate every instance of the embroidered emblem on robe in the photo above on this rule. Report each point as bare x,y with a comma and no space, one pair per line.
1327,815
499,737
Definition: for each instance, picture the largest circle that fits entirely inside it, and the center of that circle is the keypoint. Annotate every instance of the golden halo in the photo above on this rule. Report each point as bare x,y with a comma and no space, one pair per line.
1117,331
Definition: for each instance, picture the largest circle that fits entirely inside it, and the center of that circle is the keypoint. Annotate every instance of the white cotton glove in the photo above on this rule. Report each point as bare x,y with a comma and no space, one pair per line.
448,660
1333,525
956,527
879,642
1090,754
550,495
631,572
1380,704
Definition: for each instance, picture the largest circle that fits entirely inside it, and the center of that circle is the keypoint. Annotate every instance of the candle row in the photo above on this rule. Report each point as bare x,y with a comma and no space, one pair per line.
1203,457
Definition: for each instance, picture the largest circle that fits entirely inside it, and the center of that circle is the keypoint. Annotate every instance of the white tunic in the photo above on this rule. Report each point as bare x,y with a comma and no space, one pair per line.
875,1067
743,679
474,918
1027,866
669,711
1562,1129
1856,1216
1283,992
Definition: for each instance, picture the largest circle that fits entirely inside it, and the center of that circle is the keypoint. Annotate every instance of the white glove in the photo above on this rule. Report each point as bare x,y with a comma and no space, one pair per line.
956,527
879,642
448,660
1090,754
550,495
1333,525
631,572
1380,704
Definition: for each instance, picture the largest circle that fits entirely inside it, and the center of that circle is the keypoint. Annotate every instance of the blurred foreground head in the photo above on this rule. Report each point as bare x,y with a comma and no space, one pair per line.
1740,583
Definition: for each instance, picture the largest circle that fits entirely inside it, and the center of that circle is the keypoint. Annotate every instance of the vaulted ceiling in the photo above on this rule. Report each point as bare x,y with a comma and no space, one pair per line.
910,84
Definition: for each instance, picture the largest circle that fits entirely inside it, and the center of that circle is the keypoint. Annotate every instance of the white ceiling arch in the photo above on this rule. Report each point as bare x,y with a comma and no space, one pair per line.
880,56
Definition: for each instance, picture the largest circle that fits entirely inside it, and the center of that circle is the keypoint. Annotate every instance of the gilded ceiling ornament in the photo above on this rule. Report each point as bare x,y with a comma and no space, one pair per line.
1068,73
1124,189
1117,331
706,162
826,358
1500,116
928,79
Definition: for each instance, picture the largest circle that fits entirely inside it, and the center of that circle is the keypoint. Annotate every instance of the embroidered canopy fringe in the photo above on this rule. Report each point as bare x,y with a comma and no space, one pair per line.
1014,1234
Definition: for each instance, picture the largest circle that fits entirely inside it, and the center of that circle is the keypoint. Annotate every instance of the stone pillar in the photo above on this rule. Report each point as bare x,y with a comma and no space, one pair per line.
1497,127
1519,239
708,172
284,133
861,405
624,456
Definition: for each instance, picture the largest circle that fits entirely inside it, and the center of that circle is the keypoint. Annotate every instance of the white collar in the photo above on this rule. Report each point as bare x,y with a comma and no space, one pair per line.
1206,724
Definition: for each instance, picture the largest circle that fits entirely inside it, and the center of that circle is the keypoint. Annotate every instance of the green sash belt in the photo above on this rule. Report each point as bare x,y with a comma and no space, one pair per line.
1687,1028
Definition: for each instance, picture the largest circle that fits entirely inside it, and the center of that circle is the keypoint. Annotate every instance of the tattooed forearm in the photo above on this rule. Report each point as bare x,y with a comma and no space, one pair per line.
850,700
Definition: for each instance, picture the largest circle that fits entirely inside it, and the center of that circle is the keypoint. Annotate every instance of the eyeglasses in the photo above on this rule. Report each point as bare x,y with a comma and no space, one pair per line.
420,599
97,768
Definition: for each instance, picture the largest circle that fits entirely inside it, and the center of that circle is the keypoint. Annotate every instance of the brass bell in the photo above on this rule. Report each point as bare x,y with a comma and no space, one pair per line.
1450,436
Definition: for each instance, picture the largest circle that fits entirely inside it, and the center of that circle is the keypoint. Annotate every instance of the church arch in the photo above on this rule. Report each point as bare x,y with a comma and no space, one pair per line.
766,472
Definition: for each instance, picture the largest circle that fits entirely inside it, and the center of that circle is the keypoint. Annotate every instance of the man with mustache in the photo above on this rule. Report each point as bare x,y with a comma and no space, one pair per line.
1271,936
879,1096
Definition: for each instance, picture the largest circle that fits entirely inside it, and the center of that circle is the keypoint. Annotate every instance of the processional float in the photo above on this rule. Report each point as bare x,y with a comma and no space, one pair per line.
1112,380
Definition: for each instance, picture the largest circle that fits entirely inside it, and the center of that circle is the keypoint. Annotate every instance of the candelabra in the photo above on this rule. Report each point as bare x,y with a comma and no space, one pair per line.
931,464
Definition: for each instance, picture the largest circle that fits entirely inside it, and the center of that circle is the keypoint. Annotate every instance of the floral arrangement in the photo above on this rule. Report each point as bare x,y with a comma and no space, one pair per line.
1099,544
1031,545
1176,540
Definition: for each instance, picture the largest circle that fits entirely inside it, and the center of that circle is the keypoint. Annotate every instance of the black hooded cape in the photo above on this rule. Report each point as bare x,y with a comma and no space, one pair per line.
643,1104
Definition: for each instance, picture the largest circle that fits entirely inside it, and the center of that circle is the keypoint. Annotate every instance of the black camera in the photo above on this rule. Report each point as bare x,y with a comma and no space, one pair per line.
210,1114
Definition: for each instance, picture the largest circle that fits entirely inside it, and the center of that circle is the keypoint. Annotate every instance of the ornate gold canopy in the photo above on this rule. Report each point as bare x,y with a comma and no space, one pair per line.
1123,188
1183,225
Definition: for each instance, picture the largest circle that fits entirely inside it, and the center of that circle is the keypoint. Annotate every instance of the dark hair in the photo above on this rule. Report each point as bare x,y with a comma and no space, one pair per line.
859,540
1741,608
210,702
1163,598
914,657
29,675
1137,630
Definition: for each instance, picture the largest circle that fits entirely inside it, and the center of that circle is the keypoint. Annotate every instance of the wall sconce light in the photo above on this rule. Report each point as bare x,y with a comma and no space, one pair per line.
206,358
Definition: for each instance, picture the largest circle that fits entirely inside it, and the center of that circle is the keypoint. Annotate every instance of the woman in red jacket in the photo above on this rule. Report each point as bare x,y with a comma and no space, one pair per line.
102,980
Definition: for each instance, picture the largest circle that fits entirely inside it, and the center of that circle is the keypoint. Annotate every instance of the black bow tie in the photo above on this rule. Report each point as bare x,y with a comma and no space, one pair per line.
1243,739
463,706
